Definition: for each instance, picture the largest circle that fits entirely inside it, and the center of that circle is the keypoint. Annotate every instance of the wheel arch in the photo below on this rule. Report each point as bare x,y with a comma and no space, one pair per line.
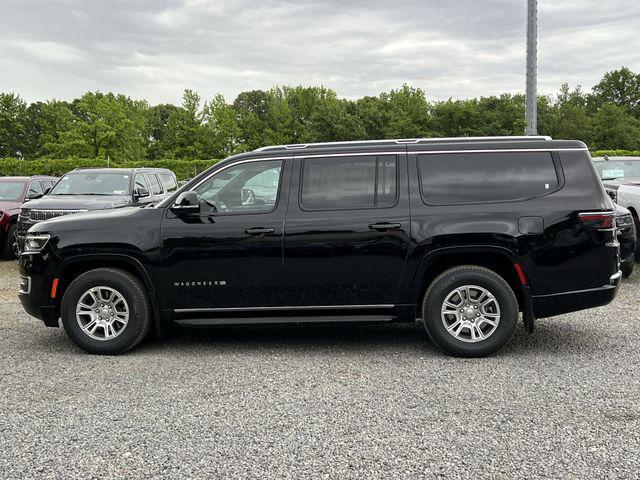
501,260
72,267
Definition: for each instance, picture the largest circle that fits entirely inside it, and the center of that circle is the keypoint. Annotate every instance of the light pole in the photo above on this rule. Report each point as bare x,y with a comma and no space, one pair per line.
531,107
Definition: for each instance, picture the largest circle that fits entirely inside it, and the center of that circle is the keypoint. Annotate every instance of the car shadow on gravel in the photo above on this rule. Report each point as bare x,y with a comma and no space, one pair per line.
550,337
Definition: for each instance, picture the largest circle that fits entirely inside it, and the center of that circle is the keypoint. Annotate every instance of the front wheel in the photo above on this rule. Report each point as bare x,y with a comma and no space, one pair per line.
470,311
8,250
106,311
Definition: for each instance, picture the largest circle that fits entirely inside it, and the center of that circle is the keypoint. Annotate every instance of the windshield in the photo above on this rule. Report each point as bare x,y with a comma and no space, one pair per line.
11,191
616,169
92,183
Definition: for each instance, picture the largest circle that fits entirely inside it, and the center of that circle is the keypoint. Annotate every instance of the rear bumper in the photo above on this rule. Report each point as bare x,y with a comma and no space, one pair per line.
559,303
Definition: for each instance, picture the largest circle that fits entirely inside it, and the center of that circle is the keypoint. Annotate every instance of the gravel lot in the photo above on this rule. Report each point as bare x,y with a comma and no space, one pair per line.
322,402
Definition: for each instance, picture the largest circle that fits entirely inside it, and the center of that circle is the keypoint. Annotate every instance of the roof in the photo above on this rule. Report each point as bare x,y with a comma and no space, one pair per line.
405,141
25,178
109,169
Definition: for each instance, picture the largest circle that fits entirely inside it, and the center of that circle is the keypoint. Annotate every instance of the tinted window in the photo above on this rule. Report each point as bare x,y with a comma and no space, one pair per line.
169,181
250,187
141,183
154,183
456,178
615,169
336,183
11,190
35,189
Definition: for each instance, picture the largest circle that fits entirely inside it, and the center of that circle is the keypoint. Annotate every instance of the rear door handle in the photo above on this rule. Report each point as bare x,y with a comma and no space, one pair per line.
259,230
385,226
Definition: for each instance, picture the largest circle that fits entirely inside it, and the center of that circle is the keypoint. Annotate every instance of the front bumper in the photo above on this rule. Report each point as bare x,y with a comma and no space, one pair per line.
36,274
559,303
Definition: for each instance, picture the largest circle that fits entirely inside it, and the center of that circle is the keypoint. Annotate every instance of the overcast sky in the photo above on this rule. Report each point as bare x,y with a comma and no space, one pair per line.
153,49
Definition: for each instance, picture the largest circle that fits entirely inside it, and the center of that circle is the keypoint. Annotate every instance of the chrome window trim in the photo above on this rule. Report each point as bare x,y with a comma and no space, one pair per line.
352,154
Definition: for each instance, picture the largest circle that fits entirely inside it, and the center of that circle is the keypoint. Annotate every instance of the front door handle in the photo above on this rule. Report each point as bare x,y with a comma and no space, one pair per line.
385,226
259,230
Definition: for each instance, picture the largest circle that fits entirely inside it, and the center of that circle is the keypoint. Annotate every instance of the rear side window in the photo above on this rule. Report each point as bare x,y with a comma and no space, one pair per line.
169,181
154,184
462,178
343,183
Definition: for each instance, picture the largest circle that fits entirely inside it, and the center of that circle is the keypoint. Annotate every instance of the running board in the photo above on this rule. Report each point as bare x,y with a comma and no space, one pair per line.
200,322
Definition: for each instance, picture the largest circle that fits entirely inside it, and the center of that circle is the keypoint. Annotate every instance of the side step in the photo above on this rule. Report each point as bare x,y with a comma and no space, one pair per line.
200,322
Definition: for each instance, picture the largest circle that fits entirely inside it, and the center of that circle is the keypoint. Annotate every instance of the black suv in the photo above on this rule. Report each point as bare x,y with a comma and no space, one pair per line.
86,189
463,233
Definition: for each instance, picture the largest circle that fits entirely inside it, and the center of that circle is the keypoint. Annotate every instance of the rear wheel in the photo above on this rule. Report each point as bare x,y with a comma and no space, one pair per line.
470,311
106,311
8,250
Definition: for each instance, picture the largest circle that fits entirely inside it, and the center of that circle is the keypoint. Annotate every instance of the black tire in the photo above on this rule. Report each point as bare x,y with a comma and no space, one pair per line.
627,269
7,249
135,295
636,223
461,276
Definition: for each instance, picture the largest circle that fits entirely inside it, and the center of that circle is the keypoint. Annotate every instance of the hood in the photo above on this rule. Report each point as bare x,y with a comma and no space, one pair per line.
78,202
616,184
9,206
621,211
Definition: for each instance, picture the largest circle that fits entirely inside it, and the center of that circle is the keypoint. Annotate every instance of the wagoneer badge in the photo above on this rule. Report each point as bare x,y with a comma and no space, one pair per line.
205,283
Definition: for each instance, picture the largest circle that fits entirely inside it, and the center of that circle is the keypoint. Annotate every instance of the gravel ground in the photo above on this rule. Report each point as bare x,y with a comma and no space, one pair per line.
323,402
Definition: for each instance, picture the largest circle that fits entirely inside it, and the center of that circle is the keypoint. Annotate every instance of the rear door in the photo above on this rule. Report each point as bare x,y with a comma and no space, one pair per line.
347,230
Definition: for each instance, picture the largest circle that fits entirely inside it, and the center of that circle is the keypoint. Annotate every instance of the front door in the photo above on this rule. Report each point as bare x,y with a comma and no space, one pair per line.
230,254
347,230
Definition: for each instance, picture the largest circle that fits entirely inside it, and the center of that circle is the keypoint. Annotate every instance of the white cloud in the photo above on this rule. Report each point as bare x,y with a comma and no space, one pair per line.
154,49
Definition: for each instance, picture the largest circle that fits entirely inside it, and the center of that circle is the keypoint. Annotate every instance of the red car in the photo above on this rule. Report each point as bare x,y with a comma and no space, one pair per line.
14,191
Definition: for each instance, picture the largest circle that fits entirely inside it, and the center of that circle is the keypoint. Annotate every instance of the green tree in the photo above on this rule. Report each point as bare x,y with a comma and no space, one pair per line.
159,130
568,116
408,113
620,87
221,128
13,125
615,129
114,126
185,134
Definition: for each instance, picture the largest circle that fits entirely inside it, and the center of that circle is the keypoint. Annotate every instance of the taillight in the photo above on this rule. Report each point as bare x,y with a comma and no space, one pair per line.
598,220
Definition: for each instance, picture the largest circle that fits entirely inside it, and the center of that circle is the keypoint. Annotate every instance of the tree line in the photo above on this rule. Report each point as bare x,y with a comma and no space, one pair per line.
113,126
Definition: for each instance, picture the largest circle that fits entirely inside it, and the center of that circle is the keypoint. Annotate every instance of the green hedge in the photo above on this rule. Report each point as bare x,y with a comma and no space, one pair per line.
182,168
616,153
59,166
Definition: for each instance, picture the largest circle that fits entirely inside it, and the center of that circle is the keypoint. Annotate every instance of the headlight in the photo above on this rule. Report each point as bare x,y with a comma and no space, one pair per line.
624,221
35,243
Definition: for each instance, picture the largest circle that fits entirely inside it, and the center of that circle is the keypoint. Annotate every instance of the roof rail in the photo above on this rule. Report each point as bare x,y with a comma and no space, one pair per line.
301,146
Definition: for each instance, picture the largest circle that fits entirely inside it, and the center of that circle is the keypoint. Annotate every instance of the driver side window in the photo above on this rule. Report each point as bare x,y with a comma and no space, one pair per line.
250,187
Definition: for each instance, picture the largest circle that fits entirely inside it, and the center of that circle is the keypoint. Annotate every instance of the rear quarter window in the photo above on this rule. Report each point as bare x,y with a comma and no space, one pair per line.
468,178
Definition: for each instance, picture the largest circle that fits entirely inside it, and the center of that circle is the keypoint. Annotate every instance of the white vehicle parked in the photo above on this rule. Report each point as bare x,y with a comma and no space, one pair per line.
621,178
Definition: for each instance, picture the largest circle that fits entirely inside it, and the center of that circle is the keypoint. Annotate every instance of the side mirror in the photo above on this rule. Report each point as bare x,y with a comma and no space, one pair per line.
186,203
34,195
140,192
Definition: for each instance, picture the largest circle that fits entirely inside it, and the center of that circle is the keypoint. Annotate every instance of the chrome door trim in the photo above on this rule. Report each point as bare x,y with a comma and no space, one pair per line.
288,308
